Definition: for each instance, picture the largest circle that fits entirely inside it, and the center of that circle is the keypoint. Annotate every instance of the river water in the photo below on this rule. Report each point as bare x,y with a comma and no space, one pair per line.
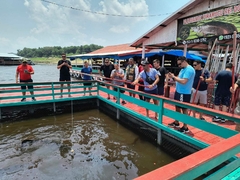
43,73
85,145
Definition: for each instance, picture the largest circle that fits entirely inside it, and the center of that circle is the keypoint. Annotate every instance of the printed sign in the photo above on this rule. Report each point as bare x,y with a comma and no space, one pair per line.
218,23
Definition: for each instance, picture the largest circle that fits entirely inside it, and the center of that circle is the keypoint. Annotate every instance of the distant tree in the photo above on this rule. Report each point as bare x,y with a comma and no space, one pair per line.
56,50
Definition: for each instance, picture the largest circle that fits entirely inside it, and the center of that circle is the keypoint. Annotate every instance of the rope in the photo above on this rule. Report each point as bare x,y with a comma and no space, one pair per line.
101,13
111,79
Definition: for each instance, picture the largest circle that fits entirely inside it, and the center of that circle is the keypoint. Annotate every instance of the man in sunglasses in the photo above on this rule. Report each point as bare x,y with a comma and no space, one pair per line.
107,69
199,94
64,65
184,83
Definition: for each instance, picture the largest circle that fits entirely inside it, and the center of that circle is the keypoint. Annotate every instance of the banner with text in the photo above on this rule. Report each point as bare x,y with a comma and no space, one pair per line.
218,23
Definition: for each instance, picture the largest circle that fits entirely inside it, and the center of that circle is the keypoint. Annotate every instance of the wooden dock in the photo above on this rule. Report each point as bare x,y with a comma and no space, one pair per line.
194,132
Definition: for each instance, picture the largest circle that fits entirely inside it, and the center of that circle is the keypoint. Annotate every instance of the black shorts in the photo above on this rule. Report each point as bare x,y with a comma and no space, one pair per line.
182,98
222,100
154,91
121,91
26,81
65,78
130,86
160,90
87,84
141,88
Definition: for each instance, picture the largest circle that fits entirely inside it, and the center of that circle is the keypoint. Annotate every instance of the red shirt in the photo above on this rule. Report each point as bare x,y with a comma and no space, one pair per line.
21,70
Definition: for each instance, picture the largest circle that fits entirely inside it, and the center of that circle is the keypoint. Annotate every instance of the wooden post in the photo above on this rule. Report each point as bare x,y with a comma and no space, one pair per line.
163,59
185,50
143,51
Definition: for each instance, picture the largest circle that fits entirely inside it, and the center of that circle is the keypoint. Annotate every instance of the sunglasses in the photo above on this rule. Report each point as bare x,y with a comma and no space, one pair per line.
194,64
179,64
107,62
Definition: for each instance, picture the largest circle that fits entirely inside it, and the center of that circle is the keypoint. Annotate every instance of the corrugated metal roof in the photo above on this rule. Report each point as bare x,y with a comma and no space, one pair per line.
114,49
109,51
9,55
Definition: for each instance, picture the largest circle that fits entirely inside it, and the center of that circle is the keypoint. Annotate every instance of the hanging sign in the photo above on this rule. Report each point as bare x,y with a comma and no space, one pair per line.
217,23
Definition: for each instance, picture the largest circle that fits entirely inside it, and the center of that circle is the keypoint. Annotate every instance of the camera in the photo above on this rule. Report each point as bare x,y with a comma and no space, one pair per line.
149,80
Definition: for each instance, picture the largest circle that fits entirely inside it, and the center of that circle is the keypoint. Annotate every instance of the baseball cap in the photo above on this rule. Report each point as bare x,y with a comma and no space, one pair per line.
145,62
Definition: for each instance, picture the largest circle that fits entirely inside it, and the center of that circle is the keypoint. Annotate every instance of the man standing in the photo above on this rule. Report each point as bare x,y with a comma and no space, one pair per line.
150,78
118,75
140,69
201,95
184,83
25,71
64,66
222,93
106,69
87,70
131,75
162,71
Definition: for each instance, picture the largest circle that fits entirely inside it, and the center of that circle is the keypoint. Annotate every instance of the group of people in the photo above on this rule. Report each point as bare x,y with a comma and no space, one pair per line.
191,82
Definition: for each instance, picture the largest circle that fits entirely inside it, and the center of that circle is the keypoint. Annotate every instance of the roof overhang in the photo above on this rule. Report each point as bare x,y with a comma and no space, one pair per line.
176,15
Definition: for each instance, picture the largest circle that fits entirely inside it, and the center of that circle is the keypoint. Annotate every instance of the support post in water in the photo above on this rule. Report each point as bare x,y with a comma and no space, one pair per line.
159,137
118,101
54,107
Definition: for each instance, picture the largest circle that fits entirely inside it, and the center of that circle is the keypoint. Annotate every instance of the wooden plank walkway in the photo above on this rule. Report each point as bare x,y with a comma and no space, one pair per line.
194,132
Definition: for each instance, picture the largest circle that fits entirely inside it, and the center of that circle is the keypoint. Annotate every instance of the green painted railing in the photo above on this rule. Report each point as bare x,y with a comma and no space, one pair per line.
10,95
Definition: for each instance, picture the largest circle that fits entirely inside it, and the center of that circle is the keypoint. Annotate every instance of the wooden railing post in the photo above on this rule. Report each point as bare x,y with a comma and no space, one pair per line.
53,97
118,102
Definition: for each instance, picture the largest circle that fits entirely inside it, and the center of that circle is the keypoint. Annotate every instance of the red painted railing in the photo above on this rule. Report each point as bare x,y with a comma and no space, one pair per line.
190,164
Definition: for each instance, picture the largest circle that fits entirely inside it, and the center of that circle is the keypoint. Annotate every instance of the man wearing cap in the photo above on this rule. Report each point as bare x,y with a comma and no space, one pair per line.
150,77
64,66
106,69
184,83
140,69
131,75
25,71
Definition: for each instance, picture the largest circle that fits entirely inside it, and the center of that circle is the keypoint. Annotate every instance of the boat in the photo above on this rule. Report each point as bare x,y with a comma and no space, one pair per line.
12,59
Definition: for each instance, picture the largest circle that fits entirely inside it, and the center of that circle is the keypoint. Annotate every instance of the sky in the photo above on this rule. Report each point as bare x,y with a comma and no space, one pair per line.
36,23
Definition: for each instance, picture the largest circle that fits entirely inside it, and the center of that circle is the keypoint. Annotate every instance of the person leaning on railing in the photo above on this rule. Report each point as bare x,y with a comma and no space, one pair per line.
106,68
118,75
237,109
150,77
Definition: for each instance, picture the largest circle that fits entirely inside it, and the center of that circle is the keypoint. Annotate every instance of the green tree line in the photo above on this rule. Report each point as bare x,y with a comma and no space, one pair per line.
56,50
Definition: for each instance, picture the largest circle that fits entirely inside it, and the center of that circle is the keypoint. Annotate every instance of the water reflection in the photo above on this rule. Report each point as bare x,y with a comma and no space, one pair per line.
88,145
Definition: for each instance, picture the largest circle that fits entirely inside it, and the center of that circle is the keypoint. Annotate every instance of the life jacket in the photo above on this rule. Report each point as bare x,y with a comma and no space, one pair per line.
130,70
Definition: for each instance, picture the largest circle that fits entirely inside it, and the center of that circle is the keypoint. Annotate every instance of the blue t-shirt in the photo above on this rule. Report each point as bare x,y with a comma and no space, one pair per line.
203,85
186,73
86,70
224,79
152,73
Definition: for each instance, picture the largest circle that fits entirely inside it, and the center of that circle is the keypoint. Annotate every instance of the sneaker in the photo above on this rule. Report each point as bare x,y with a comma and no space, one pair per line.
23,99
223,120
124,102
216,119
33,99
174,124
184,129
203,119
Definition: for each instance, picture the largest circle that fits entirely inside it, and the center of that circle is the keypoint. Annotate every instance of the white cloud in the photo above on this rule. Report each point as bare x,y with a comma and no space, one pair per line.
119,29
